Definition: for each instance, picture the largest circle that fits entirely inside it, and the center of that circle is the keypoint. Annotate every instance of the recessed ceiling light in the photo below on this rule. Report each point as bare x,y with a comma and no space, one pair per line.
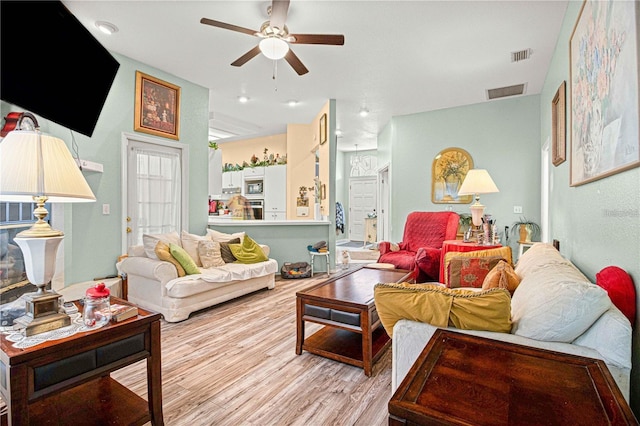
364,112
292,103
243,99
106,27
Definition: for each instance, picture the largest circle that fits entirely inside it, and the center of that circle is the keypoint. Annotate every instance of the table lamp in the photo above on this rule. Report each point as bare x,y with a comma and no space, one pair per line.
476,182
38,168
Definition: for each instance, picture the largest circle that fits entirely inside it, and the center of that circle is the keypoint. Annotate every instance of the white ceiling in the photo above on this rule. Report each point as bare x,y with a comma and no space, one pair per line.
399,57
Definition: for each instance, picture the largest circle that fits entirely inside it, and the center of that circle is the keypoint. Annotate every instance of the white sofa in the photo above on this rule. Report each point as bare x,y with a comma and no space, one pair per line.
154,284
555,307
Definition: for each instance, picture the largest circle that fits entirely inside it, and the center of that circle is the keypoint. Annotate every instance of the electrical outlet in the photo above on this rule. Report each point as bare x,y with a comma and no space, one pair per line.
106,209
517,209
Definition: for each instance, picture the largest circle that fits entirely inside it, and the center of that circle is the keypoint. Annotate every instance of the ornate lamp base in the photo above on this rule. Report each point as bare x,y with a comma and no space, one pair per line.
43,313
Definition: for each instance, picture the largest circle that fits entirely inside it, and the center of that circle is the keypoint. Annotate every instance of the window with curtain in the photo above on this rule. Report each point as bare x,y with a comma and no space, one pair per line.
158,191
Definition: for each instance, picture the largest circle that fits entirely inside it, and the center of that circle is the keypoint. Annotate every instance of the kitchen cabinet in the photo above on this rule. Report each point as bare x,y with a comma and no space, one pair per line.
215,173
232,179
275,192
253,172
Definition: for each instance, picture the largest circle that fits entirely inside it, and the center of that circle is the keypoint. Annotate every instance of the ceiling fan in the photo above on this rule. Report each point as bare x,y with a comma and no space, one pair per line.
276,38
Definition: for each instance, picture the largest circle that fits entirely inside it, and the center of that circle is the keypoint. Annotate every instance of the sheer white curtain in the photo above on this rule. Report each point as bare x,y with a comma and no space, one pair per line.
158,191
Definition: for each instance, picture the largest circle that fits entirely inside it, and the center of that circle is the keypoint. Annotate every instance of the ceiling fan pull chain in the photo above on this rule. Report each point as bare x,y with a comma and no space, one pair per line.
275,74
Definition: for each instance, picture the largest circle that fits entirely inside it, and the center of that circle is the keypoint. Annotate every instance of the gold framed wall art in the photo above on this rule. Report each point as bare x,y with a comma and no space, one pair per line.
157,107
448,171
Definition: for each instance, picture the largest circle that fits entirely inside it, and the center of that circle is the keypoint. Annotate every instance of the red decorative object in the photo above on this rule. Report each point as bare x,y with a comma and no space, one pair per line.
10,123
420,249
618,283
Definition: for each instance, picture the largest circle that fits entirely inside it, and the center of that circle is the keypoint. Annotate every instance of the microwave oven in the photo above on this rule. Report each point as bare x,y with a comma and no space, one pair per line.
254,188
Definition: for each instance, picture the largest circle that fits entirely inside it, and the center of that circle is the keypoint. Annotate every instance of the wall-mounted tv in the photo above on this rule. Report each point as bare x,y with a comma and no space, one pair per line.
52,66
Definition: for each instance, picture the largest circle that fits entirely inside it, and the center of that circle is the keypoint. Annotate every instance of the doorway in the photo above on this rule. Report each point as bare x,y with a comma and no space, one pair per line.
362,201
154,188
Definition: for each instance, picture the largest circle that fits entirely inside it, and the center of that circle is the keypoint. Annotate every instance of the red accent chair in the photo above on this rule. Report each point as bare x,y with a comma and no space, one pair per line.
421,244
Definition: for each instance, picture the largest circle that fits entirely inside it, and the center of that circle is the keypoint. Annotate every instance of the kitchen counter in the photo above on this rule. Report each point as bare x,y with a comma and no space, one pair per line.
227,220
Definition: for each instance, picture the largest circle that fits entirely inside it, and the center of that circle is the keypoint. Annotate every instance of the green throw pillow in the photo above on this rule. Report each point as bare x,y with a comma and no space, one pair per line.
248,252
184,259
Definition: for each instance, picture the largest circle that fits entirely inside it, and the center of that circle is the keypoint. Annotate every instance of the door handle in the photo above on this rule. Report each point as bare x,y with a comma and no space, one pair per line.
128,230
128,219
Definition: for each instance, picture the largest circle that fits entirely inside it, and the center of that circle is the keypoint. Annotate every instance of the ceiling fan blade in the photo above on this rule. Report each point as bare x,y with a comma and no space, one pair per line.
333,39
279,9
246,57
295,63
227,26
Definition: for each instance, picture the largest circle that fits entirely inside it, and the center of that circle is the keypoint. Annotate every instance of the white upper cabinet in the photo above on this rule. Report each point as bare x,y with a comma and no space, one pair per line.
275,190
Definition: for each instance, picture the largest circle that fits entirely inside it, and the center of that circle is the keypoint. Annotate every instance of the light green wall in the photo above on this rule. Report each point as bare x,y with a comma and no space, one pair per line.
501,136
92,241
597,224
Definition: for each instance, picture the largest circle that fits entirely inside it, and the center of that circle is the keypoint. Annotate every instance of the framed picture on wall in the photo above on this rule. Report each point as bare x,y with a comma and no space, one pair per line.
323,129
603,50
157,107
558,128
448,171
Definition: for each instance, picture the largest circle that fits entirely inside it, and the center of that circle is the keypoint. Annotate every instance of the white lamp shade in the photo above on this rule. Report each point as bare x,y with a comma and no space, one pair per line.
477,181
274,48
34,164
39,257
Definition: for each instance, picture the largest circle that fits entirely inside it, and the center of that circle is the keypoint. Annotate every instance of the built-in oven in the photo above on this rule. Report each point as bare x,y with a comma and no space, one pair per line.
254,188
257,207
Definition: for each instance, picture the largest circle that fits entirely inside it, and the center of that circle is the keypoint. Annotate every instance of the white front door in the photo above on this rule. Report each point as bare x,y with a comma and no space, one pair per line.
362,201
155,194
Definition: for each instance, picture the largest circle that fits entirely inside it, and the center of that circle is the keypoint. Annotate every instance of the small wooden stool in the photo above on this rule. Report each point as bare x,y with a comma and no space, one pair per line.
313,254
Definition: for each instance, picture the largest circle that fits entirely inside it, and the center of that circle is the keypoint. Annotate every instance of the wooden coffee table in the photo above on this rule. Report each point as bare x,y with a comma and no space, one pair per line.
460,379
344,304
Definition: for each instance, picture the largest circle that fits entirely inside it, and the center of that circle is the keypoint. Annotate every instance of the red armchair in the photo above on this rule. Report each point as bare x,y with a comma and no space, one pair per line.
421,244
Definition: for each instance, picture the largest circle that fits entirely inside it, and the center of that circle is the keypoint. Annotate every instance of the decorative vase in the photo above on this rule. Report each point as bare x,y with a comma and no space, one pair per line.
317,214
451,184
525,233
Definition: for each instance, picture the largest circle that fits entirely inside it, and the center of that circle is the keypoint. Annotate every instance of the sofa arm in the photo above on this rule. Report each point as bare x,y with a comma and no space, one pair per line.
153,269
428,261
384,247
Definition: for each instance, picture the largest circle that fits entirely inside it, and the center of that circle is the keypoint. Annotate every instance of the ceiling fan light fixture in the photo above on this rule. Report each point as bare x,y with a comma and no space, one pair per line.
274,48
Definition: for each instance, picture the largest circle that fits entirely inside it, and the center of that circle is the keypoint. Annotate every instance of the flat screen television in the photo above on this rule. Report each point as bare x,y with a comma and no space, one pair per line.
52,66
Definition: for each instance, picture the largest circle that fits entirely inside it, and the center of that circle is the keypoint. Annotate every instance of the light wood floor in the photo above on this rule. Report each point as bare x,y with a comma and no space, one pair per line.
235,364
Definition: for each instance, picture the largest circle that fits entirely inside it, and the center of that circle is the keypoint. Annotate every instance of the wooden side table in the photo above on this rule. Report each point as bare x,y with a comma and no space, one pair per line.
460,379
69,378
459,246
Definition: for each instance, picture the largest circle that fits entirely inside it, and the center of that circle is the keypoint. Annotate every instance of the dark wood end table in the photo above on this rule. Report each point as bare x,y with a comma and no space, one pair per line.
67,381
344,304
460,379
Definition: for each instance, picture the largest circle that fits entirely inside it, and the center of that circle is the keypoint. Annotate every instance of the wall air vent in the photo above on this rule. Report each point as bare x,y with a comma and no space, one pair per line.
521,55
503,92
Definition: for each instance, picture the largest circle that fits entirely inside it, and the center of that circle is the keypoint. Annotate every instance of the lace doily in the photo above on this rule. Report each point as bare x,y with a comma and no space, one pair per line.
21,341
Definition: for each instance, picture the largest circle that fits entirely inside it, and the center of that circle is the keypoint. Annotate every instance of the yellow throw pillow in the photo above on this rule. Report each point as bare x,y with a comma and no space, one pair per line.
163,253
504,252
185,260
248,252
501,276
440,306
210,255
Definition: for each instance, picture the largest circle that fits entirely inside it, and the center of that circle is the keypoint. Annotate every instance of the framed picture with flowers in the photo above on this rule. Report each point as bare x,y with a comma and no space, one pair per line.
604,129
448,171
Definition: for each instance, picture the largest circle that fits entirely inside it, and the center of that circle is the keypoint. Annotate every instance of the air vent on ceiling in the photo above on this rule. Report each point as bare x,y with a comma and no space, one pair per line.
503,92
520,55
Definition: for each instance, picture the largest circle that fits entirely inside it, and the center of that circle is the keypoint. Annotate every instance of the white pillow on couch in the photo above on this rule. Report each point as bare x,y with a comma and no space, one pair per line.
150,242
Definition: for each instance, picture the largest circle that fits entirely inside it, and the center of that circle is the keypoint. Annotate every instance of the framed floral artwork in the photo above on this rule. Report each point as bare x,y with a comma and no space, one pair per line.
603,50
157,107
448,171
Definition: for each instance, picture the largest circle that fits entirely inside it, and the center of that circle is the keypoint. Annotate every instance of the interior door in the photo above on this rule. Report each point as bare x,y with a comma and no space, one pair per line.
154,188
362,201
